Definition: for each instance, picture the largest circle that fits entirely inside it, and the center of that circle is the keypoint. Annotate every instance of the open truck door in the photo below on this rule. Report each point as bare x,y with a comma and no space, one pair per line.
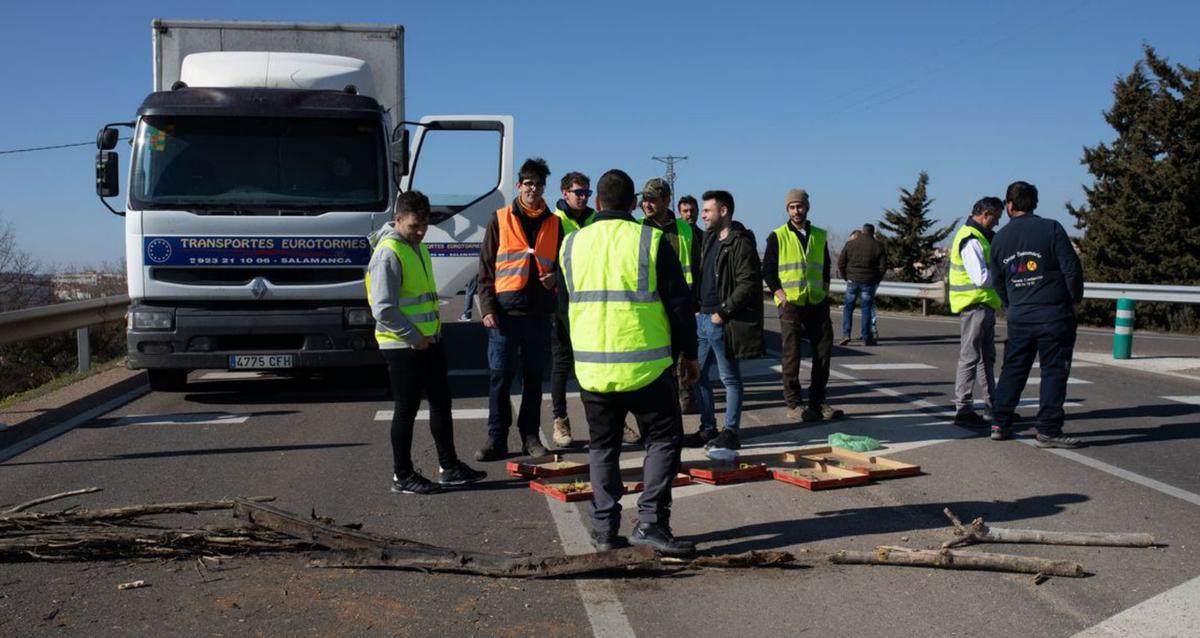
464,164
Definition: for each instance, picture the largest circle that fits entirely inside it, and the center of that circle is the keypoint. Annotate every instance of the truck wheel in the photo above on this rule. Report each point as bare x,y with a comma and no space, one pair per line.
167,380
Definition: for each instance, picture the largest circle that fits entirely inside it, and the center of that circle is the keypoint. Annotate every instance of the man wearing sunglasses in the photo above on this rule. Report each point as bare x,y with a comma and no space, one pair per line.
573,213
684,239
517,262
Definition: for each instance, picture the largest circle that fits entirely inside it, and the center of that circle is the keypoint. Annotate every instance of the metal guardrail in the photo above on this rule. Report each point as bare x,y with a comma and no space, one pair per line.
43,321
1143,292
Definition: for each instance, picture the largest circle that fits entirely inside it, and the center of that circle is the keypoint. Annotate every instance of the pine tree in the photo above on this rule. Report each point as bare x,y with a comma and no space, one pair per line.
911,247
1141,222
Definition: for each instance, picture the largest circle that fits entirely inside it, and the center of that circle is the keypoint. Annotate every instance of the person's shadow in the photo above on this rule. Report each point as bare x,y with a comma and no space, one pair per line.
865,521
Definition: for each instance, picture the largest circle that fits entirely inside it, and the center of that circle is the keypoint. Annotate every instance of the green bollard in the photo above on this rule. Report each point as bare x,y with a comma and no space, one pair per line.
1123,331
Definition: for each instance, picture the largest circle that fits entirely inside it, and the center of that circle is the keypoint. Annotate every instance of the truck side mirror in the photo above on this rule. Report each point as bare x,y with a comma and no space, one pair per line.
399,152
106,139
107,182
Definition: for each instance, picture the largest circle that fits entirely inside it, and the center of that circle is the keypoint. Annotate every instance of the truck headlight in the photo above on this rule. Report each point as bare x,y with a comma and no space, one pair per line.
359,317
153,319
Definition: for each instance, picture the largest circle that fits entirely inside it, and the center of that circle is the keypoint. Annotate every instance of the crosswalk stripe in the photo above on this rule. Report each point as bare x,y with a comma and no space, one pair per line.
196,418
1070,381
888,366
1074,364
238,374
1192,399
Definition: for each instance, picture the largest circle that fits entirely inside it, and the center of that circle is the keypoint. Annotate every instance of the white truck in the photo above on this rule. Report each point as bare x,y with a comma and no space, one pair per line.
264,156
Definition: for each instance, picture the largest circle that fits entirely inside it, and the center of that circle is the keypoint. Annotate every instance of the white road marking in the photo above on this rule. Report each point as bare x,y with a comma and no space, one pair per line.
1182,367
1070,381
1167,614
888,366
600,601
70,424
1193,399
236,374
1145,481
1074,364
467,413
194,418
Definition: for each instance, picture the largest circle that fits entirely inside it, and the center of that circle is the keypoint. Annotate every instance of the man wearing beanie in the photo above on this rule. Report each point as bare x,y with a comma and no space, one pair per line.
796,270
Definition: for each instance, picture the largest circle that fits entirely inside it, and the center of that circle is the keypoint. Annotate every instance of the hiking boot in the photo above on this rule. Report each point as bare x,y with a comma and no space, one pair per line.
661,540
459,474
464,317
844,342
795,414
811,415
494,450
829,413
1001,434
604,542
1058,441
532,446
970,420
631,434
562,432
726,440
700,438
869,341
414,484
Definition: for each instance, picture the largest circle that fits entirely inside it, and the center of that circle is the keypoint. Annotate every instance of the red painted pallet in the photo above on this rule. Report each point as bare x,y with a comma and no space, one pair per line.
548,466
570,492
876,467
816,475
728,474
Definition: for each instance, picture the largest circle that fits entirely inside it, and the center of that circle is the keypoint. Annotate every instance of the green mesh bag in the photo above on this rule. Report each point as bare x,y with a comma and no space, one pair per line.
852,442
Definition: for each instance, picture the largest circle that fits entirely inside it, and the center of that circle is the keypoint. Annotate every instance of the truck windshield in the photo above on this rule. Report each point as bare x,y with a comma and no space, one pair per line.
250,164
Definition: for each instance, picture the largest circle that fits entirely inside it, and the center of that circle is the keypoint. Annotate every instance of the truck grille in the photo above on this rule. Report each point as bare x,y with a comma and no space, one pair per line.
243,276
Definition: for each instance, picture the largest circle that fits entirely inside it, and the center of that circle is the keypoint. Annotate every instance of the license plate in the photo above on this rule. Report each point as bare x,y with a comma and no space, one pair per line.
259,361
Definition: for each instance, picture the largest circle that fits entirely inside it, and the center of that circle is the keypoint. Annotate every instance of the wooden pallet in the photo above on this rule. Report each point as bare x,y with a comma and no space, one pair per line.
874,466
572,491
716,473
817,475
549,466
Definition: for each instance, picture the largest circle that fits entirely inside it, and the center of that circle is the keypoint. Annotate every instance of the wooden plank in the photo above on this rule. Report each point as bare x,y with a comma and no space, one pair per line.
719,473
875,466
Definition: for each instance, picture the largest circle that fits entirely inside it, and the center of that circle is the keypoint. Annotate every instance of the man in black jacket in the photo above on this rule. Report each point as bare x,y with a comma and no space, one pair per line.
862,262
729,326
1038,277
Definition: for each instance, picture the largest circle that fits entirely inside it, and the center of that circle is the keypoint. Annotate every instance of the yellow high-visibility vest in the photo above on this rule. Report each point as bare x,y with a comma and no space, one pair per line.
801,272
619,329
417,297
963,291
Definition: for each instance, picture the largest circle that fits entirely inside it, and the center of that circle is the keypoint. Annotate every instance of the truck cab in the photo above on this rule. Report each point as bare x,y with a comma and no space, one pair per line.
260,163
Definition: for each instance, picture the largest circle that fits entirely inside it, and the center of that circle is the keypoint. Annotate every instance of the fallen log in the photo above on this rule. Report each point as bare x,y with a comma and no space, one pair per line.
980,532
950,559
66,517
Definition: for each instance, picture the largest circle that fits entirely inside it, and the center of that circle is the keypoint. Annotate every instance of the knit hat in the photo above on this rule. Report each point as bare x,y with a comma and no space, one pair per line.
796,195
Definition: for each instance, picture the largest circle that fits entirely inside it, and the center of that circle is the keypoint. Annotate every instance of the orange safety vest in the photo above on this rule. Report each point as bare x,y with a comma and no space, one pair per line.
512,256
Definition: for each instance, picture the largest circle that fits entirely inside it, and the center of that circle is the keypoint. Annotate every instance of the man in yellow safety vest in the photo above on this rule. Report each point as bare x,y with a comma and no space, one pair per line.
796,270
973,297
629,316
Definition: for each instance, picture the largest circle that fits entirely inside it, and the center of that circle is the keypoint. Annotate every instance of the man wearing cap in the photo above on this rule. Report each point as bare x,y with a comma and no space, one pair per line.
796,270
683,238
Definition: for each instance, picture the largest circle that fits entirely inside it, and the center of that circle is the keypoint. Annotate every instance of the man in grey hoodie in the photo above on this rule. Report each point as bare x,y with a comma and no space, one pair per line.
404,300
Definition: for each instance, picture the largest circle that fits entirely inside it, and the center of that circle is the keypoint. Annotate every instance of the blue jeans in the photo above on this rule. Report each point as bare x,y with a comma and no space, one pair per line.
711,341
520,339
855,291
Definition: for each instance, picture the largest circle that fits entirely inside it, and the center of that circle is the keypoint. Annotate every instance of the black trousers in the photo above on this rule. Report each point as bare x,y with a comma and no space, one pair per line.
798,323
655,407
414,373
1053,344
561,362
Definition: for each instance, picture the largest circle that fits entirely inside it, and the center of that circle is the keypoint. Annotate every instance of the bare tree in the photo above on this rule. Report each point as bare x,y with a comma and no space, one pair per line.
21,282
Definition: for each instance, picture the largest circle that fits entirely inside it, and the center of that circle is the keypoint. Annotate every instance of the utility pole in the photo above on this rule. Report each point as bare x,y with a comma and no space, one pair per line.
670,160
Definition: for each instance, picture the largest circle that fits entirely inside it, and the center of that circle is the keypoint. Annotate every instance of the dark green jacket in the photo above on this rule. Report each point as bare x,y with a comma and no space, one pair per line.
739,286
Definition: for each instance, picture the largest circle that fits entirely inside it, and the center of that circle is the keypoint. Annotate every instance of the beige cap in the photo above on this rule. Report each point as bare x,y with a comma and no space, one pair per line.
796,195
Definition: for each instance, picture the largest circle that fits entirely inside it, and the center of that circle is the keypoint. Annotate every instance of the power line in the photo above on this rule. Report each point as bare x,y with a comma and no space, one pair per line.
48,148
670,160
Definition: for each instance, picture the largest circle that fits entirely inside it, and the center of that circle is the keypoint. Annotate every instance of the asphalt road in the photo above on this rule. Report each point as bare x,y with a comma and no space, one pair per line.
321,444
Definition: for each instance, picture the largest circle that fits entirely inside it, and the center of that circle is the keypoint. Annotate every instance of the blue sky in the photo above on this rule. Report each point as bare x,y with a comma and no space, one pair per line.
848,100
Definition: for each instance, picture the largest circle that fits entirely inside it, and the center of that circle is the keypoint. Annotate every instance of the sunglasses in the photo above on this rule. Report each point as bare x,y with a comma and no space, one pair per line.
581,192
532,184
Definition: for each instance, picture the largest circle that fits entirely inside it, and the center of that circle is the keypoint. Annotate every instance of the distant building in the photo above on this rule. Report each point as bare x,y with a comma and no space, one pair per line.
87,285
